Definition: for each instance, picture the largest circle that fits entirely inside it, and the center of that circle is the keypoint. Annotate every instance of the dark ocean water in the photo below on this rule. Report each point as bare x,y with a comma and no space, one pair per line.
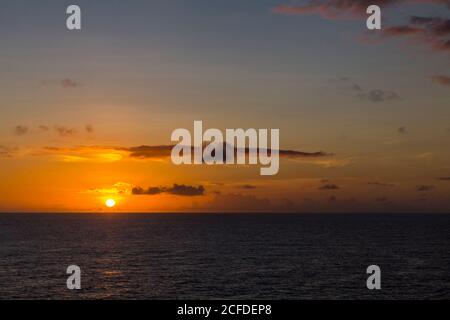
206,256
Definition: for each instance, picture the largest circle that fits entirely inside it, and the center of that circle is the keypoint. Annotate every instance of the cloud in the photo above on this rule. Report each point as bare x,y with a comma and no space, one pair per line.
116,189
332,9
381,199
423,188
428,31
343,9
381,184
329,186
443,178
435,25
372,95
441,79
43,128
402,130
176,189
89,128
20,130
247,186
65,131
431,32
69,83
400,31
83,153
6,152
99,153
148,152
162,151
378,95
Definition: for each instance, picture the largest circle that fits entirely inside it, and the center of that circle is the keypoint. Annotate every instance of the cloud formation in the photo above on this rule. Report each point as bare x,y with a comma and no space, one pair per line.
20,130
344,9
247,186
89,128
431,32
163,151
62,131
332,9
441,79
427,31
176,189
423,188
372,95
402,130
330,186
381,184
6,152
65,131
69,83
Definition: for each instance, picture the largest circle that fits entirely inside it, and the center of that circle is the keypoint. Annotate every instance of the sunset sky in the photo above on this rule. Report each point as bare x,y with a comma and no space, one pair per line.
82,113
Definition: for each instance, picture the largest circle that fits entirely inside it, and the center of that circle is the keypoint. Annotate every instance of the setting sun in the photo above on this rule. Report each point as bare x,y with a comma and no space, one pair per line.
110,203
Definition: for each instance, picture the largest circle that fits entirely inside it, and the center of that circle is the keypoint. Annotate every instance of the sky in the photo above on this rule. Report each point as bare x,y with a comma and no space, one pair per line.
82,113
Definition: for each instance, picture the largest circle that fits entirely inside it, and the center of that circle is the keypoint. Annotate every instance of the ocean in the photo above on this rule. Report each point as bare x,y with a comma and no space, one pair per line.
224,256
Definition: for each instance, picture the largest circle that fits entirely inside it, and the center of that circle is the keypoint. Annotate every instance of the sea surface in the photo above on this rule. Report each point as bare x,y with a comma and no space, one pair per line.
224,256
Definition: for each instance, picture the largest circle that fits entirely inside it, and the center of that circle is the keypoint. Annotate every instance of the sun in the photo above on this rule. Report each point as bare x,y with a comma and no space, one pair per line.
110,203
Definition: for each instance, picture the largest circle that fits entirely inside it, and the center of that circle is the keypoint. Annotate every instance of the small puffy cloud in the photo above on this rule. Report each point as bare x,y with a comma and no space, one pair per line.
21,130
402,130
65,131
69,83
43,128
89,128
329,186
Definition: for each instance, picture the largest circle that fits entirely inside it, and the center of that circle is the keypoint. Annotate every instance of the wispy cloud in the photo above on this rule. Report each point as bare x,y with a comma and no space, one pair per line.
116,189
7,152
372,95
431,32
423,188
176,189
332,9
381,184
344,9
441,79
